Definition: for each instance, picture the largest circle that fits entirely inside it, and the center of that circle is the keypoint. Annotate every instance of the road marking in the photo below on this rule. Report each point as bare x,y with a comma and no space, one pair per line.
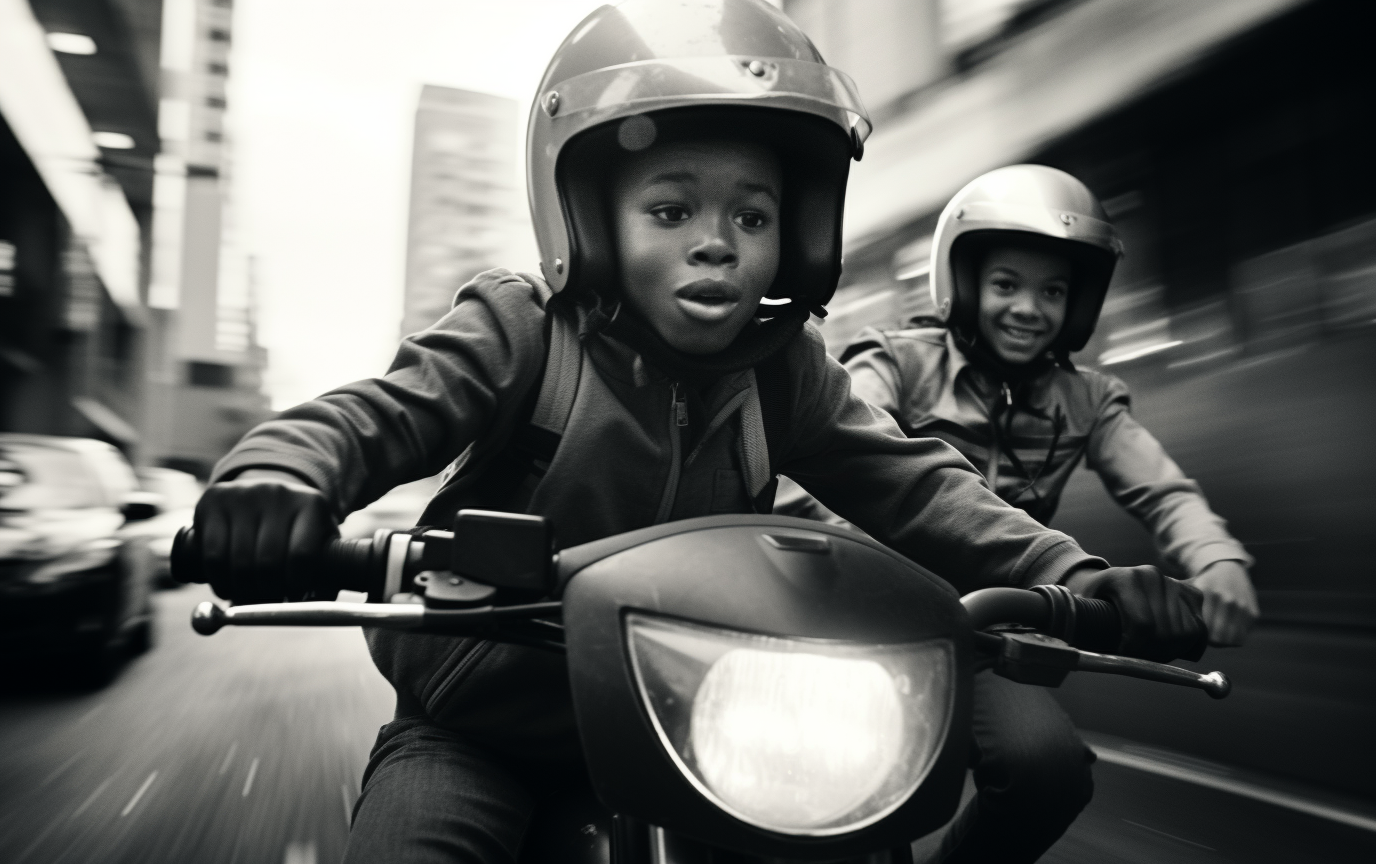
1171,836
348,806
1235,787
94,795
252,771
300,853
133,802
59,769
229,757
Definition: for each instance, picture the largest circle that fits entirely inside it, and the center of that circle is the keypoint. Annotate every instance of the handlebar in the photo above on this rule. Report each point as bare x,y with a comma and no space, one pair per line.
487,556
1074,634
353,565
1083,622
480,579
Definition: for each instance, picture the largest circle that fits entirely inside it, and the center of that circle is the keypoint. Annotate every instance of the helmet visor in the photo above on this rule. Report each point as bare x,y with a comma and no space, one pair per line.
652,85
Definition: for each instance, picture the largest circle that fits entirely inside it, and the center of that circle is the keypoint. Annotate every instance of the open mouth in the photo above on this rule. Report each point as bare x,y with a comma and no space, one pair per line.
708,300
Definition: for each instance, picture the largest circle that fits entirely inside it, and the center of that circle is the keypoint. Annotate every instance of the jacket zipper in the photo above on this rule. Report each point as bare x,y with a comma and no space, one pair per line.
678,418
991,471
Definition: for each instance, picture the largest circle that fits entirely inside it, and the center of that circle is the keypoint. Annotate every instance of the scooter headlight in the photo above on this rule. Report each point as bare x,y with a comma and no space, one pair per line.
799,736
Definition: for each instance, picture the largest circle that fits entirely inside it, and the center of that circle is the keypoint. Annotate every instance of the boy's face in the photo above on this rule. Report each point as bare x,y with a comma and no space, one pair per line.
1022,301
697,229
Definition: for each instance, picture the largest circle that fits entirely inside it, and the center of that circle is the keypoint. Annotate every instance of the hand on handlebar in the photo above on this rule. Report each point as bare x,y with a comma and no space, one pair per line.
1230,602
258,534
1161,615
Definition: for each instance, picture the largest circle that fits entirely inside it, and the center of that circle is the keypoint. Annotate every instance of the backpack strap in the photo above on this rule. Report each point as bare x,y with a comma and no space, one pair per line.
548,415
775,406
776,403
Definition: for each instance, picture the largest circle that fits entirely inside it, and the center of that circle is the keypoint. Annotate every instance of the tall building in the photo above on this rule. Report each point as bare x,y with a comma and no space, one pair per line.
463,197
205,365
78,133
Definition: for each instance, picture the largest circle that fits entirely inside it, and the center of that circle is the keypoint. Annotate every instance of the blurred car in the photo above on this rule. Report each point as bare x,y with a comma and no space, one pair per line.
176,495
73,582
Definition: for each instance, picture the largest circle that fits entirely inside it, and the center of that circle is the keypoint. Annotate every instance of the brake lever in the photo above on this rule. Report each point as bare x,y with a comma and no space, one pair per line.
1032,658
524,624
207,618
1216,684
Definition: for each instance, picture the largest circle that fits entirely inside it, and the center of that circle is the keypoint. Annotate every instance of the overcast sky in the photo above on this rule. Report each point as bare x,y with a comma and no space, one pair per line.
323,98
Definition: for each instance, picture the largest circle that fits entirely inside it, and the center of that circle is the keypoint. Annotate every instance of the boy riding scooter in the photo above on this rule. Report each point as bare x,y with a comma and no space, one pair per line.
1022,258
686,163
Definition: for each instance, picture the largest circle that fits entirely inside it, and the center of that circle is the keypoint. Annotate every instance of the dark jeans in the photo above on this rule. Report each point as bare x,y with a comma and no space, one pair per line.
1032,772
429,797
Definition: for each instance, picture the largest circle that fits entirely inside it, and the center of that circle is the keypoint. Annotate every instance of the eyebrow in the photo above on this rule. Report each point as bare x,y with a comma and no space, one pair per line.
672,177
690,177
1003,268
760,187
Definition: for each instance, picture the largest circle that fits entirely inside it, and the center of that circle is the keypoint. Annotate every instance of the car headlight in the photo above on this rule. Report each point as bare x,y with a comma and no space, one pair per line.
799,736
91,556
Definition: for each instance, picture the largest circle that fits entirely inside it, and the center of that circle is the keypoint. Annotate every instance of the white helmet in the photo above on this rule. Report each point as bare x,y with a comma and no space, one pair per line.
1031,200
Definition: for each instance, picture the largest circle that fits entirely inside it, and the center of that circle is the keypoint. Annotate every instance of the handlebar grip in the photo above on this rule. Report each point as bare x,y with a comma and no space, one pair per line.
1092,625
352,564
185,560
1098,626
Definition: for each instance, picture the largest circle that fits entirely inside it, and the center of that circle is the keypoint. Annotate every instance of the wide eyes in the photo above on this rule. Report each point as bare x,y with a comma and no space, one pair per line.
670,213
673,213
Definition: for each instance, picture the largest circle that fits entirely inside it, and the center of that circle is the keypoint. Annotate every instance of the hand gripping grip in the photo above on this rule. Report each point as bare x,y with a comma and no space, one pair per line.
356,565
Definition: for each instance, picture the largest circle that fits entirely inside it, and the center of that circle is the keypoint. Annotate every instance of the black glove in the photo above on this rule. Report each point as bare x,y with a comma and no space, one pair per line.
259,535
1161,616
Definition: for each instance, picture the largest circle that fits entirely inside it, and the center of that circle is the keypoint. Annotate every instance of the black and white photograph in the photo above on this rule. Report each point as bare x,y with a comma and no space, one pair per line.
687,432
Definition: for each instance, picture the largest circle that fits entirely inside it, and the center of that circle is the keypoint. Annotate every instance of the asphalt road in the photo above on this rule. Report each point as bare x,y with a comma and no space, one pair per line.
249,746
245,747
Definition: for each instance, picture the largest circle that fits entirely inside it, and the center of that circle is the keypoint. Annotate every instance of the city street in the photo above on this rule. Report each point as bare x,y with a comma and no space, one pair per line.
248,747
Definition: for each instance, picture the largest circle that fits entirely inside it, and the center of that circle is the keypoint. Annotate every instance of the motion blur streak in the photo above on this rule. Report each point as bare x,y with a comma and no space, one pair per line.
1243,319
166,745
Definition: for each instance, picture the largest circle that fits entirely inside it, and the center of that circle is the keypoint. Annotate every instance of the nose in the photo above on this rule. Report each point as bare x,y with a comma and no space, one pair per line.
1024,307
714,249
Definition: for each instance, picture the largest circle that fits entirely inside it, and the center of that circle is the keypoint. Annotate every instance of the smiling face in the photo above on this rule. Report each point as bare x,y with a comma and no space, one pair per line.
1022,301
697,230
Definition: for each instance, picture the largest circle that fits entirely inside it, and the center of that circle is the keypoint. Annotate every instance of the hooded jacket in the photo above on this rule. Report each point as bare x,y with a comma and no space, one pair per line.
921,377
624,462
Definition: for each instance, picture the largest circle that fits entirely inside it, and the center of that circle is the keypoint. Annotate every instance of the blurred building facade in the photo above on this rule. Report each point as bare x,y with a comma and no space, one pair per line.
1230,143
206,368
463,197
125,314
78,135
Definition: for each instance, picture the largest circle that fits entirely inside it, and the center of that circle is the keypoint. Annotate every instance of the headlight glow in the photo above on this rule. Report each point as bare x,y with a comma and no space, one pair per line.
799,736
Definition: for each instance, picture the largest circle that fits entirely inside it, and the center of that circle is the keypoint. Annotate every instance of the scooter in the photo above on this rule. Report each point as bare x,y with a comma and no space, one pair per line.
748,688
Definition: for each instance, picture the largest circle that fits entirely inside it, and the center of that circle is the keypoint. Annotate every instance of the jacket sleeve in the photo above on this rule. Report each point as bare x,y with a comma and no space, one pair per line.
917,495
875,376
446,387
1146,482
